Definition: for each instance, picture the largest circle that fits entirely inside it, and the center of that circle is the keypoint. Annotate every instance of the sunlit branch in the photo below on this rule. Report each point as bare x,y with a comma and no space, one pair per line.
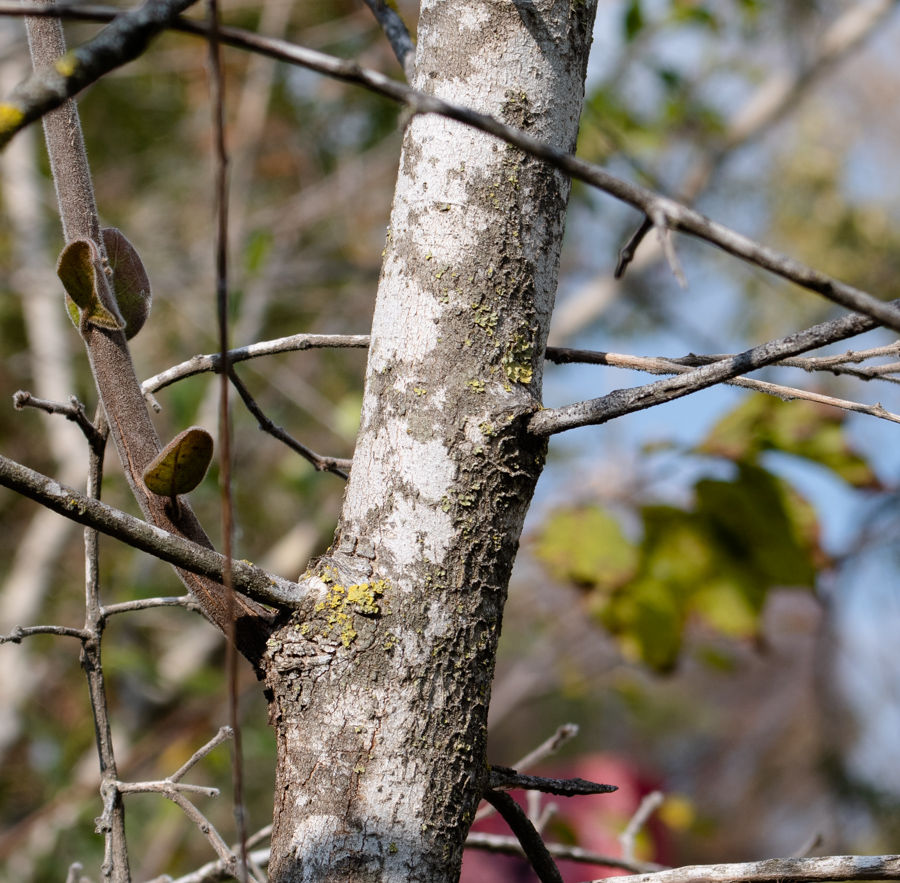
627,401
124,40
253,581
655,365
17,633
782,870
510,846
662,210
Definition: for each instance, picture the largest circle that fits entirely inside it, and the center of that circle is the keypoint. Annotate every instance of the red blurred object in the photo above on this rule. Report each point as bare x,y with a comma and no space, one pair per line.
593,823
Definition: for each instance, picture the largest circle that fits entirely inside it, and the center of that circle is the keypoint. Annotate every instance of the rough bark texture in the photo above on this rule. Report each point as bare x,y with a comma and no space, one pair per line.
379,690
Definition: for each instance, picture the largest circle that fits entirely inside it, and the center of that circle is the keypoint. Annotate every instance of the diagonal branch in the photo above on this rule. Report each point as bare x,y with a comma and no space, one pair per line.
397,35
322,464
184,554
656,365
627,401
532,845
782,870
124,40
676,216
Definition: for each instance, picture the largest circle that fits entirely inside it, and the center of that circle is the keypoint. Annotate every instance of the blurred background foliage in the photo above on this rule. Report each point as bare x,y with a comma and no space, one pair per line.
707,589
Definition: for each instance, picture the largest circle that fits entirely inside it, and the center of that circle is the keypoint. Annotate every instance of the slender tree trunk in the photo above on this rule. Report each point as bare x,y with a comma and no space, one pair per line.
379,692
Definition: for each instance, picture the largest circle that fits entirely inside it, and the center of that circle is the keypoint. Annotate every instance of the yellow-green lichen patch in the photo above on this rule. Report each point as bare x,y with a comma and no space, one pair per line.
476,385
343,601
10,117
66,64
518,358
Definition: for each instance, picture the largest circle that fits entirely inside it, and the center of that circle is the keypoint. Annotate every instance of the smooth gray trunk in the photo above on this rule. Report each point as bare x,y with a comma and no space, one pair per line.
379,691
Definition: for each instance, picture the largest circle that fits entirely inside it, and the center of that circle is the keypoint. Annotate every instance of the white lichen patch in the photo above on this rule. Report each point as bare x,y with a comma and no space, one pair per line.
416,528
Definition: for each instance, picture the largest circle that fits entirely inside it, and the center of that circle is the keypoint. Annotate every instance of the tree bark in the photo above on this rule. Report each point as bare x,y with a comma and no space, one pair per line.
379,689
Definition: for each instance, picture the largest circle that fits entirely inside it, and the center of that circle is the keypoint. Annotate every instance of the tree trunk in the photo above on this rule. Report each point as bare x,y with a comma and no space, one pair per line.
379,692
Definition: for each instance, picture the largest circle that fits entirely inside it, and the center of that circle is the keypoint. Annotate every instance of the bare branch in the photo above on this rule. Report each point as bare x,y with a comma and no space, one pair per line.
677,216
627,252
506,779
226,856
510,846
73,411
16,635
192,557
223,734
564,734
163,786
533,846
782,870
188,601
550,746
656,365
125,39
211,362
397,34
648,806
626,401
321,464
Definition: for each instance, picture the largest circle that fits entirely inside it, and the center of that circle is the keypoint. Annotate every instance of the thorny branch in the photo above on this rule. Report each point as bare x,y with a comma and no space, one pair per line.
662,210
506,779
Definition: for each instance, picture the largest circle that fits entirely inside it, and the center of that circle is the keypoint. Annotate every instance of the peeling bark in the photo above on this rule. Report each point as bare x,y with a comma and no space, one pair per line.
379,689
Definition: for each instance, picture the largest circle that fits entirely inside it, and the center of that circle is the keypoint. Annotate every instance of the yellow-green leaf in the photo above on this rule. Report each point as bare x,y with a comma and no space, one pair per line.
181,464
81,272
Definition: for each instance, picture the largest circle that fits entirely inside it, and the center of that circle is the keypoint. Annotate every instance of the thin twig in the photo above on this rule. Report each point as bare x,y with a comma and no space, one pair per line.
650,803
626,401
781,870
188,601
506,779
656,365
397,35
223,734
533,846
627,252
17,633
115,867
228,858
677,216
321,464
192,557
73,410
212,361
510,846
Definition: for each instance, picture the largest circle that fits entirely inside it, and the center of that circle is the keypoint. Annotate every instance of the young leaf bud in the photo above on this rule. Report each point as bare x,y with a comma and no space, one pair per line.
81,271
181,464
130,282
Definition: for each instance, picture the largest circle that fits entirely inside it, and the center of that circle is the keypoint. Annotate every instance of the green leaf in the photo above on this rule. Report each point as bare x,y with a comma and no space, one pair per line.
586,546
181,464
803,429
634,20
131,284
81,271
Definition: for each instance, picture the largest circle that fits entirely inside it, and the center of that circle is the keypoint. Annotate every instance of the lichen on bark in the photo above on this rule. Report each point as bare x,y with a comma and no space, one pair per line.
382,736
